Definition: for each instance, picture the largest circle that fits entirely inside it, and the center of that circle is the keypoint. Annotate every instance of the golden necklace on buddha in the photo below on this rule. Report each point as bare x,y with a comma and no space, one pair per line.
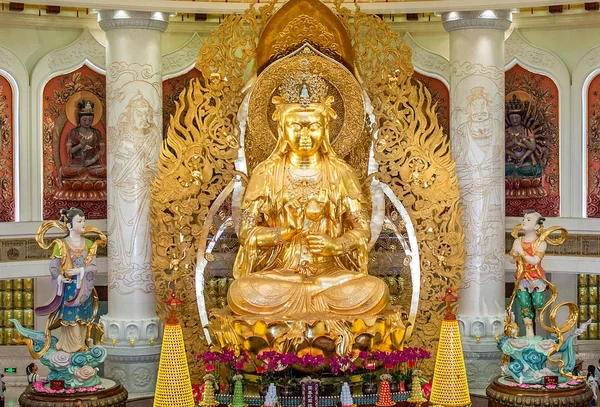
304,184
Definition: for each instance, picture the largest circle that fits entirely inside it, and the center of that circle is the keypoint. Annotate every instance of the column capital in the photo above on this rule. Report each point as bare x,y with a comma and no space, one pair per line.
147,20
460,20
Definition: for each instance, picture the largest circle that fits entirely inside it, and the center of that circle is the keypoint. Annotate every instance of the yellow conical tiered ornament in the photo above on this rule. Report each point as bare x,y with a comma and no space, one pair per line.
450,388
416,393
208,397
173,386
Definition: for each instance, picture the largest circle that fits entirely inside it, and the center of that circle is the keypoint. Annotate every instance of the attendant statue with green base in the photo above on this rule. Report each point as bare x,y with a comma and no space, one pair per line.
529,359
74,357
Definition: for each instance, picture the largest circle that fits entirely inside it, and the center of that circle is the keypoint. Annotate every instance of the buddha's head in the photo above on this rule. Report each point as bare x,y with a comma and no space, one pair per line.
303,112
515,110
85,113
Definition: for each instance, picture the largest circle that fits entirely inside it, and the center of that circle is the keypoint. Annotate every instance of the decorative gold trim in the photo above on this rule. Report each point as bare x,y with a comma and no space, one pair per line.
301,22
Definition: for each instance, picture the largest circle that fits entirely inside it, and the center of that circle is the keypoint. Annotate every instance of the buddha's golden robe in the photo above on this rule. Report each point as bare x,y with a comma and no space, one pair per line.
283,278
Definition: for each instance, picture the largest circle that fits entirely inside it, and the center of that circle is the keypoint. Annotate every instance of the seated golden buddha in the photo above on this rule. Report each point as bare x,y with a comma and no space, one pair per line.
305,221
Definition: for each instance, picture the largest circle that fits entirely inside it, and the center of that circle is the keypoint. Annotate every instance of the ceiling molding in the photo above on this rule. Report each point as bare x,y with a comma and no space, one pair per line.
235,7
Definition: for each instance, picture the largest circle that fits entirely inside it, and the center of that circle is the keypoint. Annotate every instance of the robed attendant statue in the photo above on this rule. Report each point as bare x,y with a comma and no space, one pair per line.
73,270
305,221
73,304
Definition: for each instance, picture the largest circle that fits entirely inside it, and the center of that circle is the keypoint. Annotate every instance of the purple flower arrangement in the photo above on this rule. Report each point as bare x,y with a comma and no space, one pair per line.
233,361
398,364
275,367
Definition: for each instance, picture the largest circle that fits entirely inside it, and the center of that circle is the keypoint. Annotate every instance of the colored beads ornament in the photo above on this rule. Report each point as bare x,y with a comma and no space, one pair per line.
238,392
173,385
271,399
385,396
416,393
346,396
450,388
208,397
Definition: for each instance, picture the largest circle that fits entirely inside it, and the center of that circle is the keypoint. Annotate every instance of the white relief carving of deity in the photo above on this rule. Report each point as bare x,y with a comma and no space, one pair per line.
134,144
477,145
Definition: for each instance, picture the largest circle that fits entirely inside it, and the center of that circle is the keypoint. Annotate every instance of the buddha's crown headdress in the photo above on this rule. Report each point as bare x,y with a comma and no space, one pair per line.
305,89
515,105
86,108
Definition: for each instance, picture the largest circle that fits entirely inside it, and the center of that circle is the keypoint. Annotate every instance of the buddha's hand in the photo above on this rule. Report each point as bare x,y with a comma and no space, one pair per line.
294,217
324,245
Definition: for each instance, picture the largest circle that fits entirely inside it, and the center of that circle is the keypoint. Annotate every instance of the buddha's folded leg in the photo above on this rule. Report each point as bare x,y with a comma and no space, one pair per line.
364,295
261,295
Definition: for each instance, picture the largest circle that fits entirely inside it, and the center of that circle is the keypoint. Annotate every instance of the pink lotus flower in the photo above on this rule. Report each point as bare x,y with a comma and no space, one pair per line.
524,386
551,386
513,384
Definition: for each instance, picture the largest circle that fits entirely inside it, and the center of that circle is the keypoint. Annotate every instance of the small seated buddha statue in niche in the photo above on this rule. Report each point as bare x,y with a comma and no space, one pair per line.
85,147
305,221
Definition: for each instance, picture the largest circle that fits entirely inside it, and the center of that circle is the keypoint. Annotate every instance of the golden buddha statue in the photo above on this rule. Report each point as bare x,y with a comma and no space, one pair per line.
305,221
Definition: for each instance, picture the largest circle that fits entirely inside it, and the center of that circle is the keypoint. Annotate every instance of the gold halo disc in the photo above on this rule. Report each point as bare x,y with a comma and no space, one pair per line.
345,131
72,109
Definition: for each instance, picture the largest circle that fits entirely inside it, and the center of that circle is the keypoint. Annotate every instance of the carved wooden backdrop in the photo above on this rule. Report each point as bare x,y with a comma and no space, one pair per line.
593,148
55,128
538,95
7,187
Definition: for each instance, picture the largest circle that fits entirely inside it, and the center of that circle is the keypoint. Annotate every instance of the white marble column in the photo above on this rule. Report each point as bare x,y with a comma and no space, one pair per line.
477,138
134,121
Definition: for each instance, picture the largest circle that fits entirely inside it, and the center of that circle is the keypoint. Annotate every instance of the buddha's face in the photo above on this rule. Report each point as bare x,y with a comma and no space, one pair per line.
304,131
514,119
86,121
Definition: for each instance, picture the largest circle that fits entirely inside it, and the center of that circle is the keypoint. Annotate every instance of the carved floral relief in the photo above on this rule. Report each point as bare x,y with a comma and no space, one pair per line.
172,88
593,148
7,198
532,143
74,143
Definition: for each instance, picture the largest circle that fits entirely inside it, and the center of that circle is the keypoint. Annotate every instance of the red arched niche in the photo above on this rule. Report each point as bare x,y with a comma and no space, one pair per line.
532,180
440,95
7,151
593,148
55,129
